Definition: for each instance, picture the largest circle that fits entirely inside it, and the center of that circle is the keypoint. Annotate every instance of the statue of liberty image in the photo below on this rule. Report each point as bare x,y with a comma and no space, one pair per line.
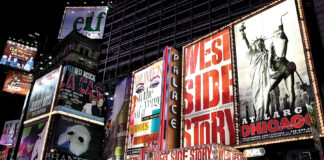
267,69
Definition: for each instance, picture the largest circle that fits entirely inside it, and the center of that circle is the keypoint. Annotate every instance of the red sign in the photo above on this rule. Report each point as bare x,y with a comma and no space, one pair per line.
208,95
17,82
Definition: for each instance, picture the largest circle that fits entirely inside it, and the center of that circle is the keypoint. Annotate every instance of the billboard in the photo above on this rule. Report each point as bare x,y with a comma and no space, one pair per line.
42,94
18,55
208,91
17,82
89,21
9,132
75,139
116,126
144,116
32,141
273,79
79,92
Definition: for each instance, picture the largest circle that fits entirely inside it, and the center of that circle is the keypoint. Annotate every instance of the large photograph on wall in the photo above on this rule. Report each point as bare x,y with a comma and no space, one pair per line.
273,80
116,125
75,139
32,141
42,94
208,91
79,92
144,116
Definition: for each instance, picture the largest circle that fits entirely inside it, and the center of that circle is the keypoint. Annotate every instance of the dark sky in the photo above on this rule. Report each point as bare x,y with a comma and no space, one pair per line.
23,16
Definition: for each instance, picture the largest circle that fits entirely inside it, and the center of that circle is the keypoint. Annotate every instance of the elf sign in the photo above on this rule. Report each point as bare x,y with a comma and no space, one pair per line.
88,21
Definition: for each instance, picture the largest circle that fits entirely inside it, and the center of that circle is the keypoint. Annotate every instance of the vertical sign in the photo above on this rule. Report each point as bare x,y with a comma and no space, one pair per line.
145,108
273,78
171,93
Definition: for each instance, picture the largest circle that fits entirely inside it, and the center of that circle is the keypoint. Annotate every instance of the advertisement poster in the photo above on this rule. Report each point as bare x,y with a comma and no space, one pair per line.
18,56
9,133
79,92
32,141
42,94
89,21
117,126
145,108
208,92
273,80
75,139
17,82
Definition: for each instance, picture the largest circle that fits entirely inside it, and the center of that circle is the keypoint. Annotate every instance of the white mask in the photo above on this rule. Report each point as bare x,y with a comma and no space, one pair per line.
78,138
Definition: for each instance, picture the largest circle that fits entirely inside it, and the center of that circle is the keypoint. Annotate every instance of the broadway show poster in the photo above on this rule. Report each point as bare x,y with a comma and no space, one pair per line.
9,131
145,108
17,82
208,91
32,141
18,55
75,139
79,92
114,142
273,80
42,94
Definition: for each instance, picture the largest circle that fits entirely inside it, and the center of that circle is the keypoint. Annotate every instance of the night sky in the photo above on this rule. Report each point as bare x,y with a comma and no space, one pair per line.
43,16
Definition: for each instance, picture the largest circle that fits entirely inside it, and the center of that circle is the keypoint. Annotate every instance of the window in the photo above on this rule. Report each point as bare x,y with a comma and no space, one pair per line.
84,51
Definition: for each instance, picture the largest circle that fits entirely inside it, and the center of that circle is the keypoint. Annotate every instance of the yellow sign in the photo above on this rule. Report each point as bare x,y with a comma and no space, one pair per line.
139,127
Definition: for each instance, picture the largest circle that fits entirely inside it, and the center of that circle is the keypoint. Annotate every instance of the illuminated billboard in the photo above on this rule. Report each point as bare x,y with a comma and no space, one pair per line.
42,94
74,139
144,119
208,91
116,125
32,141
79,92
89,21
9,133
18,55
17,82
273,79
